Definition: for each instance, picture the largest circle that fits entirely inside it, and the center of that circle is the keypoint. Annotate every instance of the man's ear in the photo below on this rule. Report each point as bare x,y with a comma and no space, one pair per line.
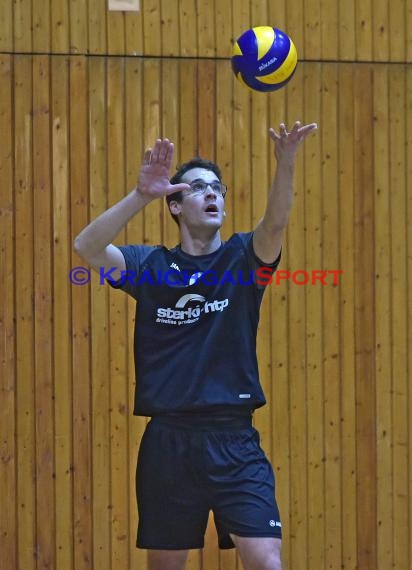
175,207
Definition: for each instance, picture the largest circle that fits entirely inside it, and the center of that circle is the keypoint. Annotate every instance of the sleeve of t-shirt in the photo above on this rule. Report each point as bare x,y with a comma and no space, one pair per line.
262,277
134,256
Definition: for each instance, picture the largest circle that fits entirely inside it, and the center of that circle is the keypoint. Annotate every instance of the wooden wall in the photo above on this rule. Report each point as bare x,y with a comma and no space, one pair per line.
337,30
76,112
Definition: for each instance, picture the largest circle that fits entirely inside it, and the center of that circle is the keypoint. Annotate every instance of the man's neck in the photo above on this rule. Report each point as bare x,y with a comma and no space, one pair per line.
200,245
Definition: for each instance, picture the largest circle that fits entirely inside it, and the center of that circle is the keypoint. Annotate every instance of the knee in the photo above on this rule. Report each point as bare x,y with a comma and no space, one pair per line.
271,562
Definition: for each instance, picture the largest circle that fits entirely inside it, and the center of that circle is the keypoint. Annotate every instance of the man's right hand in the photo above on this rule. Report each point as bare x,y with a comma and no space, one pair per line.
155,172
94,243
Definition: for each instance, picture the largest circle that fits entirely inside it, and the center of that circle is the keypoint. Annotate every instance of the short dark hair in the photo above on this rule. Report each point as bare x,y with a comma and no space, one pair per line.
196,162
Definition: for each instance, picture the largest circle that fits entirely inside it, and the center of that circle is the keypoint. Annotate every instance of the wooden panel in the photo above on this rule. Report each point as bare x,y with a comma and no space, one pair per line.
330,324
79,38
26,446
241,136
60,30
134,33
170,28
224,140
170,129
329,30
397,30
408,170
134,234
188,35
363,27
98,26
99,322
43,331
295,25
115,32
152,122
241,148
399,300
224,29
188,144
297,351
6,27
258,13
313,252
345,180
281,444
380,30
151,26
277,15
384,474
241,17
79,212
347,31
322,30
408,24
8,522
62,311
313,28
261,178
41,26
22,29
118,333
210,554
206,99
364,321
205,28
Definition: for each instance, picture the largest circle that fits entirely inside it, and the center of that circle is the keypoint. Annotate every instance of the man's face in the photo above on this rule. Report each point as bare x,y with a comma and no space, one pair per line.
200,209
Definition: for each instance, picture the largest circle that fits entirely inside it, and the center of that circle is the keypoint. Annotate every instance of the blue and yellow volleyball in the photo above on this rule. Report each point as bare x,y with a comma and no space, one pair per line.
264,58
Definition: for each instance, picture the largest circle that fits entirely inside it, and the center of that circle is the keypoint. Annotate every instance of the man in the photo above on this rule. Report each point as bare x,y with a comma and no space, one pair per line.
195,356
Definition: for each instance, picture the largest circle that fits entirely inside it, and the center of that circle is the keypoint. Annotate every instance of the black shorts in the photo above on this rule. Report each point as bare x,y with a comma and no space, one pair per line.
185,469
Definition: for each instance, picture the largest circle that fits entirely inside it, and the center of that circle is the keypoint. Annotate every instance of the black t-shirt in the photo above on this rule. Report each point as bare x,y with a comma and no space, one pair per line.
195,328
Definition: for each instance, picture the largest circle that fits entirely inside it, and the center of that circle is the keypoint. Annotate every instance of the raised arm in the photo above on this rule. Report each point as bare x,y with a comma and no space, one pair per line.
94,243
267,237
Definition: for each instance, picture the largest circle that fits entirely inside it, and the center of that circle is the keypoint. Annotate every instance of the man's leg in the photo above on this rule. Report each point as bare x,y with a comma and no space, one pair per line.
167,559
258,553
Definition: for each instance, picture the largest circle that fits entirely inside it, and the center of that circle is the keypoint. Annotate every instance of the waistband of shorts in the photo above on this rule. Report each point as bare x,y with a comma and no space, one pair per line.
204,421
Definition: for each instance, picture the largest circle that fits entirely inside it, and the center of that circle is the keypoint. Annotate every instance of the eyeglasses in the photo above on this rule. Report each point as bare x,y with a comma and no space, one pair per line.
200,187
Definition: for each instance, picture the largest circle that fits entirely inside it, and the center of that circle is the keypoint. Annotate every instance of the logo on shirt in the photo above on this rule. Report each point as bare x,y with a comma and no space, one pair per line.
195,278
188,310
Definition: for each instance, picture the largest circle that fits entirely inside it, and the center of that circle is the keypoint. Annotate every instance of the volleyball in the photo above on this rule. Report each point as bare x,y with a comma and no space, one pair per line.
264,58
